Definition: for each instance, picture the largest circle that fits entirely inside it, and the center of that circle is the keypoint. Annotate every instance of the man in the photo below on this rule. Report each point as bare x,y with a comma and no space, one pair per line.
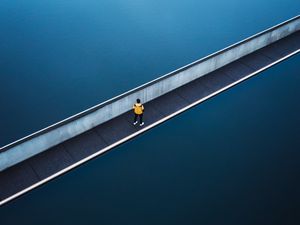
138,110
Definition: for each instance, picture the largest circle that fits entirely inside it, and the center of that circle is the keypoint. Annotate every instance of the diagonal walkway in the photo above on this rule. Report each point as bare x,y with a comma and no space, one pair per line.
41,168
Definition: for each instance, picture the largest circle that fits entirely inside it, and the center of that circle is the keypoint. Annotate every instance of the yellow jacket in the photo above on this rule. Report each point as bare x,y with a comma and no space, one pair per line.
138,108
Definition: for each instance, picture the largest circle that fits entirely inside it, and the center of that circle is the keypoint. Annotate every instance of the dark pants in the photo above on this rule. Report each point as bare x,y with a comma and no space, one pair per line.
136,117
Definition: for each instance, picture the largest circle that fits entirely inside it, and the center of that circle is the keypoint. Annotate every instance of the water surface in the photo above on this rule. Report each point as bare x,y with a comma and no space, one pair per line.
230,160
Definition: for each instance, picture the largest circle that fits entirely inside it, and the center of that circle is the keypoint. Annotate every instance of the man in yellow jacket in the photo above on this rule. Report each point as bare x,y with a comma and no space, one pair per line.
138,110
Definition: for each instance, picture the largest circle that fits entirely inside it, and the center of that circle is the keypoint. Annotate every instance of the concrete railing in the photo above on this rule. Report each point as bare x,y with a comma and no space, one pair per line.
53,135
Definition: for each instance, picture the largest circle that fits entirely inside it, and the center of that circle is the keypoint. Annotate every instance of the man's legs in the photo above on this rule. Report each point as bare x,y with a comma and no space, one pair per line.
141,119
135,119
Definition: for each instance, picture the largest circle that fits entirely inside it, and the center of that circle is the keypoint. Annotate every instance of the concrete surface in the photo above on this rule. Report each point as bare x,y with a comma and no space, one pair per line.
71,153
69,128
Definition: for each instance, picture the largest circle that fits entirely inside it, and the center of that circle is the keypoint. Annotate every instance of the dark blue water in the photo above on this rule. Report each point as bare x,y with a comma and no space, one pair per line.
231,160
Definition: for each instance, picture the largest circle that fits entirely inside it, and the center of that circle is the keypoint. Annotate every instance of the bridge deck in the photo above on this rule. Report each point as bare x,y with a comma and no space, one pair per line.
57,160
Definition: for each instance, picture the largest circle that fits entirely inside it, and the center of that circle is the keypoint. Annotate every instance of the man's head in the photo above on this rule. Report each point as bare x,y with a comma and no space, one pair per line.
138,100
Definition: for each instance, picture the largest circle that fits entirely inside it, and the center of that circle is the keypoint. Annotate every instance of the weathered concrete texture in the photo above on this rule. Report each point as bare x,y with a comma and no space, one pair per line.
46,164
41,141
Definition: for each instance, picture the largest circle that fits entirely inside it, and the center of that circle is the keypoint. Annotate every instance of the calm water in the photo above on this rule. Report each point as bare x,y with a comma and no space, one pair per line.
232,160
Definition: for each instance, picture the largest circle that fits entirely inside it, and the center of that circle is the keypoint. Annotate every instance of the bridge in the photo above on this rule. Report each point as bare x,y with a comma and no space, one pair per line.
44,155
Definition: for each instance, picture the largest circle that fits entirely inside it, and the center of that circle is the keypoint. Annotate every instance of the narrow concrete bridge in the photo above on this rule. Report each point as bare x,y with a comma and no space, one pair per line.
55,150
